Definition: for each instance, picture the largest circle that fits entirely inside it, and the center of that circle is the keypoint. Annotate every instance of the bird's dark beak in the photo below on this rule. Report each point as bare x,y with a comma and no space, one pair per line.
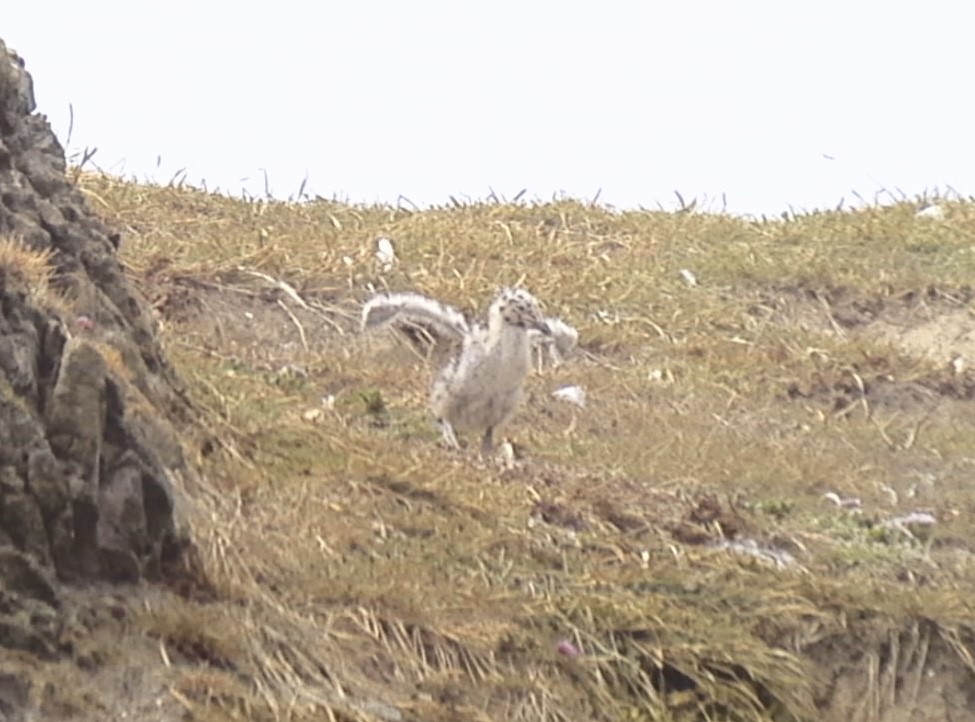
543,327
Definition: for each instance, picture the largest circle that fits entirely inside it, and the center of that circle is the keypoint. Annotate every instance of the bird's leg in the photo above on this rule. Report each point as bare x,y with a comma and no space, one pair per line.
449,437
487,443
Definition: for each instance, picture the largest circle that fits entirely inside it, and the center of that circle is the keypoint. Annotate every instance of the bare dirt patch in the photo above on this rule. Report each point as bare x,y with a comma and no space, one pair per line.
257,317
931,323
931,331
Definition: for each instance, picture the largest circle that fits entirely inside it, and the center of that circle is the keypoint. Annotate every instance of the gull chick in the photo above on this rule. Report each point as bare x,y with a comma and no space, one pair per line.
480,385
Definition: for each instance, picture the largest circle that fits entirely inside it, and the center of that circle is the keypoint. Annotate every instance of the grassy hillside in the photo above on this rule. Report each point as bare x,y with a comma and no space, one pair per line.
666,552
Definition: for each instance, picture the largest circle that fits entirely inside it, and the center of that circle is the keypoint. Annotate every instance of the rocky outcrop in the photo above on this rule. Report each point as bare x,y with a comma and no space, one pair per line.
88,455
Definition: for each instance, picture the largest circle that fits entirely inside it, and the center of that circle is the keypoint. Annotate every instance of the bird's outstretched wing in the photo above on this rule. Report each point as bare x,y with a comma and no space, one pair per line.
560,342
432,327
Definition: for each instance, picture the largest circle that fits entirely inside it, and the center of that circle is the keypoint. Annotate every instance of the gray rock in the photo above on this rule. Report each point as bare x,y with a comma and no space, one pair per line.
21,519
47,482
14,696
77,408
88,448
22,574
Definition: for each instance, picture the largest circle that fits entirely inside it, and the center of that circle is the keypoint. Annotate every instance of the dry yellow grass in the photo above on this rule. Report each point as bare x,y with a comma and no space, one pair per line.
29,271
357,567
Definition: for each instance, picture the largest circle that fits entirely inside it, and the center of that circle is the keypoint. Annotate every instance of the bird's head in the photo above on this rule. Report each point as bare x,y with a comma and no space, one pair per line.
517,307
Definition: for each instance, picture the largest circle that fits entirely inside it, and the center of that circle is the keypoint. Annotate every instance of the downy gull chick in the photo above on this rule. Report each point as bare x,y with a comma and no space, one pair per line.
480,385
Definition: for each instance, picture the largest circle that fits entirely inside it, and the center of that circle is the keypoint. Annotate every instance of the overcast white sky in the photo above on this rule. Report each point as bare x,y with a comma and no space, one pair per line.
372,99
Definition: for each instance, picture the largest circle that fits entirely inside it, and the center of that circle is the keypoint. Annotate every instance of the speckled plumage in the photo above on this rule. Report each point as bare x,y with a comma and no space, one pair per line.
480,386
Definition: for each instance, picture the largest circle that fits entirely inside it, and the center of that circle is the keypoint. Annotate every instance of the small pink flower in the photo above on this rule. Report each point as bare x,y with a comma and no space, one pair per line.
84,323
567,649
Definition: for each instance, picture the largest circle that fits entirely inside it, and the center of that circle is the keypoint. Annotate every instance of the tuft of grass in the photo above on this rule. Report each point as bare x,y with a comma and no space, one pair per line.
29,271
